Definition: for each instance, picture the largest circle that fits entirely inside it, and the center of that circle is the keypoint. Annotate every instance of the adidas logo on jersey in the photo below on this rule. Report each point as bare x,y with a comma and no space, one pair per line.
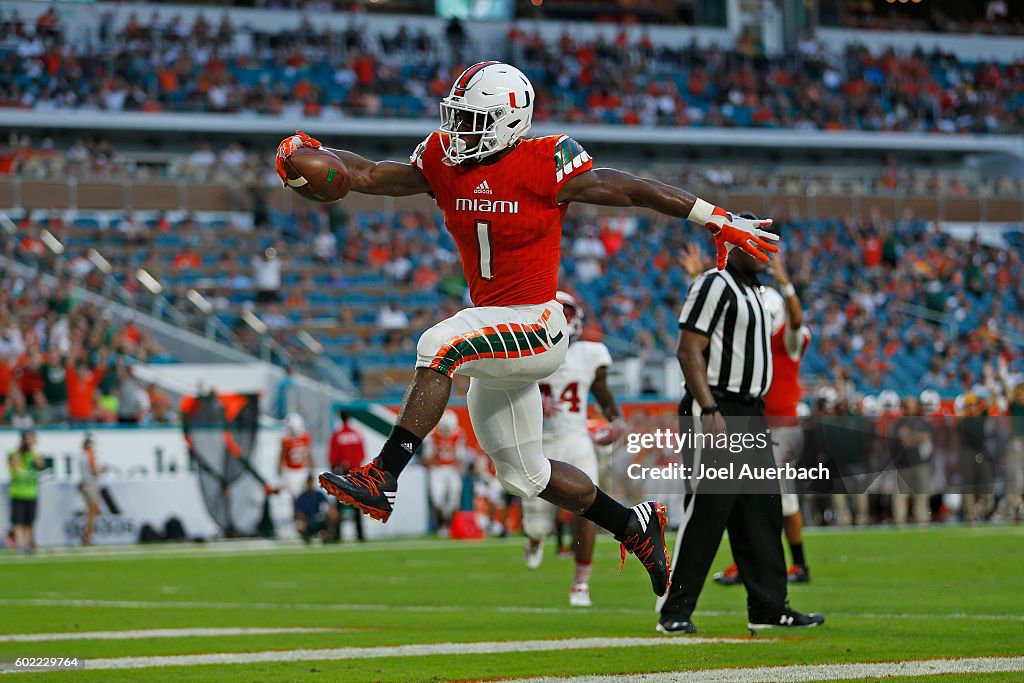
483,188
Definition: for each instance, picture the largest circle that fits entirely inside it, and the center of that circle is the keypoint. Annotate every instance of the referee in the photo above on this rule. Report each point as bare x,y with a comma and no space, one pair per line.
725,354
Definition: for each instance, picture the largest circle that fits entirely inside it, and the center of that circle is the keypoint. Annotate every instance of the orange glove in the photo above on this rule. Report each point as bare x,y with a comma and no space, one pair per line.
289,145
610,433
732,231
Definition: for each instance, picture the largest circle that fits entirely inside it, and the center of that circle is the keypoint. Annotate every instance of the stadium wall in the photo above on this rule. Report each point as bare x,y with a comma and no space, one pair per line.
147,474
970,48
31,195
149,477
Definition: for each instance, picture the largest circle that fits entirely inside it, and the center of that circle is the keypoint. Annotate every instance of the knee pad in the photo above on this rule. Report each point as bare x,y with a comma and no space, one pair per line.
516,479
790,504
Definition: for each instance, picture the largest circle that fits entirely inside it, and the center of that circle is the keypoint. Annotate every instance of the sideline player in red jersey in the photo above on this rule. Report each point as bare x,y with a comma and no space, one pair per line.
504,197
789,343
346,452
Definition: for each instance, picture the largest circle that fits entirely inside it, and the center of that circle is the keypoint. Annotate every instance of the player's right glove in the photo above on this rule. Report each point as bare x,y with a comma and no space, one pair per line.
734,231
289,145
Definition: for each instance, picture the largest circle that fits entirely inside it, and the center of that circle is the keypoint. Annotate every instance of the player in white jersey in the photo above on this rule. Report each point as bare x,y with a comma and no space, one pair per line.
566,438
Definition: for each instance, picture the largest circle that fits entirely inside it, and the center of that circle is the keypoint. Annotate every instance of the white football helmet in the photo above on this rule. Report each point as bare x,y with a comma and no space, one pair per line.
871,406
828,396
573,314
295,425
489,99
889,401
449,423
930,401
774,308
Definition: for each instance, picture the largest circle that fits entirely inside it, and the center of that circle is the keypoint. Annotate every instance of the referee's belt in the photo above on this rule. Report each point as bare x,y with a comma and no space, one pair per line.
719,395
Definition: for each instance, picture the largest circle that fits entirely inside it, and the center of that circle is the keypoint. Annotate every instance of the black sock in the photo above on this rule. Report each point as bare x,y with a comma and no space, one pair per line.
798,553
608,514
398,450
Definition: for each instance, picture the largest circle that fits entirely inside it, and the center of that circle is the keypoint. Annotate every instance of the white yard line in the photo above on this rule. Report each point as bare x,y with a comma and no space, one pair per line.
805,673
146,634
226,549
351,653
274,547
400,607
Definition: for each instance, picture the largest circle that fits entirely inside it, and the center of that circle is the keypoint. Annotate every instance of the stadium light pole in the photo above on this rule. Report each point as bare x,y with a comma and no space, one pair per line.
102,265
7,224
51,242
311,343
10,242
260,328
153,286
149,282
205,307
55,246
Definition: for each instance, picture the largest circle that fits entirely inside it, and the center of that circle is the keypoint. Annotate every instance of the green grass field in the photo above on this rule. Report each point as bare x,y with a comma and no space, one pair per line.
889,595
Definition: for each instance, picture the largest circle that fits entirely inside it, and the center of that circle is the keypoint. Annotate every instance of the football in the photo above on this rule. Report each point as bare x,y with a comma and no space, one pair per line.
317,174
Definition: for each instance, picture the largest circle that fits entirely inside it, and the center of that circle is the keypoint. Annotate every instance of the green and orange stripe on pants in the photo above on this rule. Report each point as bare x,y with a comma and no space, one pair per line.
505,340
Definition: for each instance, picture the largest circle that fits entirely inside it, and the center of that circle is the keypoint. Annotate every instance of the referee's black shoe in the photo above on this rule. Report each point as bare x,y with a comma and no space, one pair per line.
645,538
675,626
784,618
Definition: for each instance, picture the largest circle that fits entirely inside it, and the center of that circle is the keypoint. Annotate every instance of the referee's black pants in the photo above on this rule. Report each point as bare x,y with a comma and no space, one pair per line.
750,511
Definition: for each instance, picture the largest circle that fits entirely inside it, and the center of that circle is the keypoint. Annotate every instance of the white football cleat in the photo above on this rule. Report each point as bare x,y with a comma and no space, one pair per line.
579,596
533,553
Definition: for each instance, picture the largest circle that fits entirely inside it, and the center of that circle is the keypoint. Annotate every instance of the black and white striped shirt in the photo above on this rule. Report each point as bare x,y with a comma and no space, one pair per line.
726,307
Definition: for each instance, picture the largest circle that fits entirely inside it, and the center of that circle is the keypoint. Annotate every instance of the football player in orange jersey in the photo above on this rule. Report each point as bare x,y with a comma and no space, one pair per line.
296,460
503,197
445,458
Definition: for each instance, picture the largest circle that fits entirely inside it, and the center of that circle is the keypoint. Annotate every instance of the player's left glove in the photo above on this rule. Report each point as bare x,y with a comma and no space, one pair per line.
610,433
734,231
289,145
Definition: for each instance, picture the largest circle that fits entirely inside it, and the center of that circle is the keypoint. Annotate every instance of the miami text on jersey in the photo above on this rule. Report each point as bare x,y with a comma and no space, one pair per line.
486,205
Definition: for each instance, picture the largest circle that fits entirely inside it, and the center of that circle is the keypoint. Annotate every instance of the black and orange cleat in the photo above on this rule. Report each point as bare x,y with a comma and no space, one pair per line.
645,538
798,573
369,488
730,576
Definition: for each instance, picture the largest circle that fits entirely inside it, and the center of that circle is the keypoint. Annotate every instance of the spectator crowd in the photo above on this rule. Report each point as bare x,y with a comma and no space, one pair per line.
163,64
898,305
67,361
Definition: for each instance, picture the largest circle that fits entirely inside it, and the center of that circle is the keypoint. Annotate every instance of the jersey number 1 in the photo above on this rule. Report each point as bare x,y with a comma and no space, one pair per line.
483,240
